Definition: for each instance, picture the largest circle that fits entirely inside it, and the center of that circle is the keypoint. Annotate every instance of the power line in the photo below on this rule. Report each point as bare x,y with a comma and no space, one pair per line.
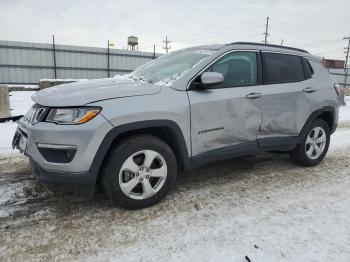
221,29
331,51
219,39
266,30
321,45
304,38
303,28
217,34
167,42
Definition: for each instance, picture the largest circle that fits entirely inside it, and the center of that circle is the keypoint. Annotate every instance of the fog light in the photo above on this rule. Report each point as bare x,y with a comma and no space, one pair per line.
57,153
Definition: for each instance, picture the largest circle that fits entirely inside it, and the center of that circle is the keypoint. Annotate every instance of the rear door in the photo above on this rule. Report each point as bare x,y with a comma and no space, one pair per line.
228,114
284,97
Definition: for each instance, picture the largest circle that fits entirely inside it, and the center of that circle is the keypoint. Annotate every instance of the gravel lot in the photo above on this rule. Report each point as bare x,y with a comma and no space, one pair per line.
263,207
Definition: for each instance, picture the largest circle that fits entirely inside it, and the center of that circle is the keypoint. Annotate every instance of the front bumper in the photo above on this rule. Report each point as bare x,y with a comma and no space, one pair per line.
86,139
82,183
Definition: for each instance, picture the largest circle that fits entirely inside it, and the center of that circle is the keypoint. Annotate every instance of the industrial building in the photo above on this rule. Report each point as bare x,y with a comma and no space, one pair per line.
338,71
27,63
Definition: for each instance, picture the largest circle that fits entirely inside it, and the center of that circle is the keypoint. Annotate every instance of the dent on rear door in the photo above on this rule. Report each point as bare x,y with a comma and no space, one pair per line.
286,109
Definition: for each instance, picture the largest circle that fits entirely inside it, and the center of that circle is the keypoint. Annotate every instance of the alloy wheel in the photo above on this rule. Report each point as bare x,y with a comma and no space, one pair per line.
143,174
315,142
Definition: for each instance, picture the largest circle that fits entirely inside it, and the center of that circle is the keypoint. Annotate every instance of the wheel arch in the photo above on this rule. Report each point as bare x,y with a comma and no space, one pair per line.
326,113
328,117
166,130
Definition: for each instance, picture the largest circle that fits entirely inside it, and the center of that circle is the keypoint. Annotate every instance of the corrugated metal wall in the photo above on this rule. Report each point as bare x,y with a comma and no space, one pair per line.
27,63
339,76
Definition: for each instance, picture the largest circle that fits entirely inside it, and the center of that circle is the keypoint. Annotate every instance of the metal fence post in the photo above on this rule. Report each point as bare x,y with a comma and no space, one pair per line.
108,69
54,56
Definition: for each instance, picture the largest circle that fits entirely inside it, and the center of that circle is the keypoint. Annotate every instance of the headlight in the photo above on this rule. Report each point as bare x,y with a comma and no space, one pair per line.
72,116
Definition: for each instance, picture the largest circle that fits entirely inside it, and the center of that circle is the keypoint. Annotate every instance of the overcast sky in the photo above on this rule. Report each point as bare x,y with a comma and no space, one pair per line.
316,25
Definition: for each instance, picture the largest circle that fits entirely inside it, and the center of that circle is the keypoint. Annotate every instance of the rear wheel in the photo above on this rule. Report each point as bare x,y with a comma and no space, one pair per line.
314,146
139,172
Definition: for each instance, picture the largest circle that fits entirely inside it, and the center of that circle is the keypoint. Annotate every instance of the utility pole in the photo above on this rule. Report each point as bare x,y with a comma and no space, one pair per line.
346,61
347,52
266,30
167,42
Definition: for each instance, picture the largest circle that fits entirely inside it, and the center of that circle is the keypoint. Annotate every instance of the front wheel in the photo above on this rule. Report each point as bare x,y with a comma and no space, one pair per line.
314,146
139,172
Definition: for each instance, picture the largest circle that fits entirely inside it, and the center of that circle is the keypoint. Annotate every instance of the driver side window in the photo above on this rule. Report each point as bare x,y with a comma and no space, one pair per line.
238,68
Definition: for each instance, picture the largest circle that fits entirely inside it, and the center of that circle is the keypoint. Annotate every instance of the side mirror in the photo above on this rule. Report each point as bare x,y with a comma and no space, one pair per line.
209,79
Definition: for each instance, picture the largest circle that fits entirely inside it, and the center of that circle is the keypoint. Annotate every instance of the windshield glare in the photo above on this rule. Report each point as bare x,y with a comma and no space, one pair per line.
168,68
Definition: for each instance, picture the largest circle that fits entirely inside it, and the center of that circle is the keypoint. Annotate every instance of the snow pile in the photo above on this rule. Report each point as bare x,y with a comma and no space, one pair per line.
344,112
340,141
122,77
20,102
24,86
7,131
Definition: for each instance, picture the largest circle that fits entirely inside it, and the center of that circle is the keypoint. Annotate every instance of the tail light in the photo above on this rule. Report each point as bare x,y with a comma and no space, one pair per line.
337,88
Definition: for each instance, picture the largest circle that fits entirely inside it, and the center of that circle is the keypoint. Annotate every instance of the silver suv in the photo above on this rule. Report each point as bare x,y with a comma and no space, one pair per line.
132,133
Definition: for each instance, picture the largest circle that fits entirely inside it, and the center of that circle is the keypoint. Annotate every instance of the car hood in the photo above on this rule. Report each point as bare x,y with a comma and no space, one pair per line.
84,92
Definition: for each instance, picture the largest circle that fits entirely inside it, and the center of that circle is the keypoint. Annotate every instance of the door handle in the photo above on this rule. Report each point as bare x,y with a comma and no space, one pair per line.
253,95
309,90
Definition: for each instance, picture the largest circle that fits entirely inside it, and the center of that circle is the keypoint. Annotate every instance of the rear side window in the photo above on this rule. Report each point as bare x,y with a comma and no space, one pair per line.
281,68
308,69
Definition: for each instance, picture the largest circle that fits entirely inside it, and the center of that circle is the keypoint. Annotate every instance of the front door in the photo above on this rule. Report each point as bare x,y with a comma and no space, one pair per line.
228,116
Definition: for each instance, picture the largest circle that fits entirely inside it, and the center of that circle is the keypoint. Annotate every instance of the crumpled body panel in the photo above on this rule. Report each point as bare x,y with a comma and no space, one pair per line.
223,117
284,114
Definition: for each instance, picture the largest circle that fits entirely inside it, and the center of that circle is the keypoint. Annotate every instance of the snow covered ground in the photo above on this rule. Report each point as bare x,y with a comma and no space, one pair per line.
264,208
344,113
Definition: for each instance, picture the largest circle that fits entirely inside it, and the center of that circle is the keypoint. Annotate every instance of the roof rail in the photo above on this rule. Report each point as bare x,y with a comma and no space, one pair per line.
269,45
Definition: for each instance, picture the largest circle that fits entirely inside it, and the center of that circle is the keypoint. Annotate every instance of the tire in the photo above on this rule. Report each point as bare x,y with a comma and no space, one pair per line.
131,161
312,151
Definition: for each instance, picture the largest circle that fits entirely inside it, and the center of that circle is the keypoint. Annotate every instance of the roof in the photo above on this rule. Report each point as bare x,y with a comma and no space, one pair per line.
207,47
257,46
269,45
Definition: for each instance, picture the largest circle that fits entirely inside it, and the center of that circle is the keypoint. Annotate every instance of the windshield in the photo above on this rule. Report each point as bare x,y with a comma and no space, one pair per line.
168,68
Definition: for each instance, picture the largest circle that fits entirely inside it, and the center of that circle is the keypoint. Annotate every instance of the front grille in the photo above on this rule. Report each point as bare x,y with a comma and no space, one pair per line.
35,114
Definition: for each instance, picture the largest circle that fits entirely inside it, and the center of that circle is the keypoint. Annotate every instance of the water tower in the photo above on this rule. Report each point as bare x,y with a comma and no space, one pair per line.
133,43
